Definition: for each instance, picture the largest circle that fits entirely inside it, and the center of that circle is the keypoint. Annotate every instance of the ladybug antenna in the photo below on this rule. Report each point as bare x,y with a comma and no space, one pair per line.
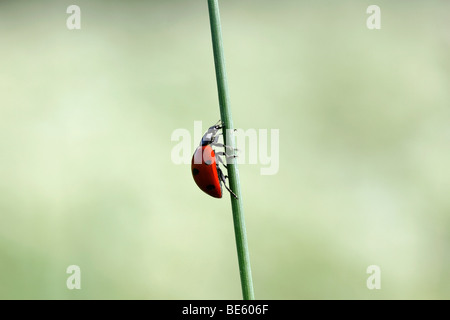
219,124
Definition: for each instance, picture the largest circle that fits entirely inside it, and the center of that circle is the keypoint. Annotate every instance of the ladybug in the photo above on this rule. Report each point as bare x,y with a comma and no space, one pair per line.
205,164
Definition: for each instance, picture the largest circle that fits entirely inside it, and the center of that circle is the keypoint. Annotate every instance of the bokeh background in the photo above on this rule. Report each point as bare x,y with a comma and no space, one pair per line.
86,175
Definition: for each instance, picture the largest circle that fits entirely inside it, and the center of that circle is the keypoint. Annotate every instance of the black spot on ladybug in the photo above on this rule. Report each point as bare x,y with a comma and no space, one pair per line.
208,162
210,187
195,171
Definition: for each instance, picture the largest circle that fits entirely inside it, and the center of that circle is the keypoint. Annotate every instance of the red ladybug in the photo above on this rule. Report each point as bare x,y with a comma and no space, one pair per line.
205,164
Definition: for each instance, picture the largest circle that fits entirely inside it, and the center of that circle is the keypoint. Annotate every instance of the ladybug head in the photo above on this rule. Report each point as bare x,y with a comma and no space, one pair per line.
210,135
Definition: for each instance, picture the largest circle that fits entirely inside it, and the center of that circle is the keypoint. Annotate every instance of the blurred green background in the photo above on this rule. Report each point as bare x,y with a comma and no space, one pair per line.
86,176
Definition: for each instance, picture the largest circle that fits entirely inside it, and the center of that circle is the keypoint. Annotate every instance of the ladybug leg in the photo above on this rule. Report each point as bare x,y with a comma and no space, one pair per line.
223,178
221,153
219,159
221,145
216,139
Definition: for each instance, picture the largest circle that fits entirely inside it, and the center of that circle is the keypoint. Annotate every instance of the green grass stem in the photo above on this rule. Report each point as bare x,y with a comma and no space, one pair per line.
233,173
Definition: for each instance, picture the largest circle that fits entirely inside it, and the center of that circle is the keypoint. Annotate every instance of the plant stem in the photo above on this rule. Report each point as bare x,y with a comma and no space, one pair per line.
233,173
